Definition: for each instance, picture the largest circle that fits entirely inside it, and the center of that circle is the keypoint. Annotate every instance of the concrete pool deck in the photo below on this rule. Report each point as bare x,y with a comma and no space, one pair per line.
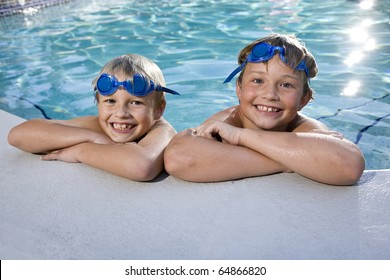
56,210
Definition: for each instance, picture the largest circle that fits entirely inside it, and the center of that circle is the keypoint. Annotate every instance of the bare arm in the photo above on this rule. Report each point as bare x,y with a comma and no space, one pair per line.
41,135
199,159
140,161
318,156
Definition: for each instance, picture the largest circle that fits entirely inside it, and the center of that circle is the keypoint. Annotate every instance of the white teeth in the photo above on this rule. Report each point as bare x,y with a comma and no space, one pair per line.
267,109
121,126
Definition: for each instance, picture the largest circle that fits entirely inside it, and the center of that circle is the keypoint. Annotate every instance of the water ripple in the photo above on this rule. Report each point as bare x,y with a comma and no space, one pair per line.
49,59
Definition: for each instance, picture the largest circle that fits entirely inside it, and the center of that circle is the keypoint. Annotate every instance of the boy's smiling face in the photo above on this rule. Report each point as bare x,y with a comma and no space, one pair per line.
125,117
271,94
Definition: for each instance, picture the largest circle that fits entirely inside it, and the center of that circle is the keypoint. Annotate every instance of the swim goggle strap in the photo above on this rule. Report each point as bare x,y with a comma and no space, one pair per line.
108,84
263,52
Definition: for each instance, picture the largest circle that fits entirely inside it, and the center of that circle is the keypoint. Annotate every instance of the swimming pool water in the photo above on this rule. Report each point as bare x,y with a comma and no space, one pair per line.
49,57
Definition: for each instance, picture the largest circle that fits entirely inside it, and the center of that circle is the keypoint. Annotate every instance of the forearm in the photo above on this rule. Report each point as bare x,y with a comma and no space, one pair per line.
130,161
198,159
323,158
41,136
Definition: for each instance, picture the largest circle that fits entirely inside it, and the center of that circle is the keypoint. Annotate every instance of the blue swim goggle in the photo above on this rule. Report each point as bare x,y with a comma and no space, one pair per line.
108,84
263,52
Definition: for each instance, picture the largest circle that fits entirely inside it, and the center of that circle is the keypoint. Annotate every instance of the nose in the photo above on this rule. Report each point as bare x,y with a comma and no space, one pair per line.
271,93
123,111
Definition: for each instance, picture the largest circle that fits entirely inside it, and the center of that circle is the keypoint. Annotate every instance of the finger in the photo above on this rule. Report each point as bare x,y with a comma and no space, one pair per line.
208,132
329,132
217,137
205,127
199,130
50,156
336,134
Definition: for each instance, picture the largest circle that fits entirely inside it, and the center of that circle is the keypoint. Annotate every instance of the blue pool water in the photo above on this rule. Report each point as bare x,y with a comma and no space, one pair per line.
49,57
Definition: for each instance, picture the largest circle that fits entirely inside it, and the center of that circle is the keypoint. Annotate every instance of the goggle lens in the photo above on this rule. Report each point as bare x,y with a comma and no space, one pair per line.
108,84
140,86
263,52
104,84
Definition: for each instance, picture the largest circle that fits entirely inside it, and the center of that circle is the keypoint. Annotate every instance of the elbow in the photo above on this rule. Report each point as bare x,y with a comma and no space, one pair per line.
172,161
19,139
177,163
352,170
342,169
147,170
13,138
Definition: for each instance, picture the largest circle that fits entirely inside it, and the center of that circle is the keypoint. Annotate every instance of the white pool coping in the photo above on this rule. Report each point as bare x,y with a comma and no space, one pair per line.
56,210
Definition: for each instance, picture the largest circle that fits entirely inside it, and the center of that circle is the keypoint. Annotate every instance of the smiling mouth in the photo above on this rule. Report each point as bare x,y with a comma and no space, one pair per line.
122,127
267,109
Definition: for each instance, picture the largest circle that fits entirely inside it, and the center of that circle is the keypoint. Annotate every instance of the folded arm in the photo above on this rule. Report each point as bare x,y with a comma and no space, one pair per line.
319,155
140,161
199,159
81,140
42,136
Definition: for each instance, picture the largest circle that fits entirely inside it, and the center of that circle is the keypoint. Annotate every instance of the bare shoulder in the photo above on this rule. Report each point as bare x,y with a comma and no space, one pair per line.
222,115
161,132
163,125
303,123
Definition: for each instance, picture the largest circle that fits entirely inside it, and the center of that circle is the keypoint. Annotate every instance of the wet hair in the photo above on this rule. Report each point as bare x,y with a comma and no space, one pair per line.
295,52
130,64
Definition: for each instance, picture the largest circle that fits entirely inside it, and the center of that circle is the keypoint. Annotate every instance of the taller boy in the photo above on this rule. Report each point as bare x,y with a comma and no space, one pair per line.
265,133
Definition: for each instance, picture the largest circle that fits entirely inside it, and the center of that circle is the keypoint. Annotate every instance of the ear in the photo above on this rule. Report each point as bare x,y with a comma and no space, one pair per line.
305,99
238,90
159,111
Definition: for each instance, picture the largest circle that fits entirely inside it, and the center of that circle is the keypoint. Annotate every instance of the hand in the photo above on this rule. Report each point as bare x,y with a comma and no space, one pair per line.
219,130
100,138
67,155
328,132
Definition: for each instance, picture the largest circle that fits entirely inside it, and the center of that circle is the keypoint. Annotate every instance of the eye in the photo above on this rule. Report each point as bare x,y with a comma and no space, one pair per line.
257,81
136,102
109,101
287,85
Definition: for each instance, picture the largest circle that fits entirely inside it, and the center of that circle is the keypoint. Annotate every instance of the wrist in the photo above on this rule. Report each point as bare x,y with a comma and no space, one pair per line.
78,151
243,136
97,138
